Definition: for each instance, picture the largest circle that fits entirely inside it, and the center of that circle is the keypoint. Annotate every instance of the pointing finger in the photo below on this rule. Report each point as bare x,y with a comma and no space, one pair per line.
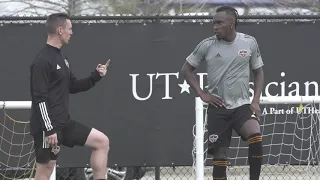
108,62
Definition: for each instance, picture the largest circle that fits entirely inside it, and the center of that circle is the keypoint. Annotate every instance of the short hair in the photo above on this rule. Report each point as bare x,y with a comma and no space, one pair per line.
55,20
229,10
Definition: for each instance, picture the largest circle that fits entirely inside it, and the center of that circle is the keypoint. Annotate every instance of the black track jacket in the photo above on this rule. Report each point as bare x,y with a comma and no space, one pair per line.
51,81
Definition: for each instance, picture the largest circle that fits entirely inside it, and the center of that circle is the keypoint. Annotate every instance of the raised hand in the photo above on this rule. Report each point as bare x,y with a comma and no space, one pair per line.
102,68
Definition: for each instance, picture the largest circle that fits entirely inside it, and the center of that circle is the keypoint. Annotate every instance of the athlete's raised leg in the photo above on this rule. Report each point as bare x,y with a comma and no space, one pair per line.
78,134
99,142
251,131
248,128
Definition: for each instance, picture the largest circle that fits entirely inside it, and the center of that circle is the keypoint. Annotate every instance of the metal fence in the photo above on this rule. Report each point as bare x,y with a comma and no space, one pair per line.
269,171
163,18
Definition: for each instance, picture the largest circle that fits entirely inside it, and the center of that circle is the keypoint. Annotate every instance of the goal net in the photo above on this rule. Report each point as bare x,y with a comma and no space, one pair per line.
16,145
290,130
17,160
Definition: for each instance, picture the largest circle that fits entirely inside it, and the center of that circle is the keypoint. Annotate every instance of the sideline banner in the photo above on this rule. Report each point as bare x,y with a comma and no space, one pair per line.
144,105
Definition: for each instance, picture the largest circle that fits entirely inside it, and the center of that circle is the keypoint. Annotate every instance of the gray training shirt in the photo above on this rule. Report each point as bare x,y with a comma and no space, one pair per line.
228,66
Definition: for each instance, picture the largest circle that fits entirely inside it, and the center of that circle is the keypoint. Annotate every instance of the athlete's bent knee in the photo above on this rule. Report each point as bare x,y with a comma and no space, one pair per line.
98,140
105,142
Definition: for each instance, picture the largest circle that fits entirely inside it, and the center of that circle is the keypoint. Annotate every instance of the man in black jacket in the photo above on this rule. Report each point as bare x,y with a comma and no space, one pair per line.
51,81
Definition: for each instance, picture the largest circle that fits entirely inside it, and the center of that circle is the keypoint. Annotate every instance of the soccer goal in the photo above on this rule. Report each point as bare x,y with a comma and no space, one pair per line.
17,159
291,141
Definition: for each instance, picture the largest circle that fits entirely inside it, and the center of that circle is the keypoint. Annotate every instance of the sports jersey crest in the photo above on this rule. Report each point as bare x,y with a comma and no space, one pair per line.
55,150
67,64
243,53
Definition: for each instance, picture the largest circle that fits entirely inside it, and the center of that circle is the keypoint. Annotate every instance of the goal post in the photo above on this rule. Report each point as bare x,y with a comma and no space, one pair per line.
20,105
293,115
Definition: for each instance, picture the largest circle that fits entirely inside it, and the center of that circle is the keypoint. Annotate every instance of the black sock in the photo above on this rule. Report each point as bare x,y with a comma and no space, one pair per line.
255,155
219,169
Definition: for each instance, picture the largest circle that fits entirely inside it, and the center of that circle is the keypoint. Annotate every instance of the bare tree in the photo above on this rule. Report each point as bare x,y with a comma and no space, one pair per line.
313,5
282,7
209,6
137,6
44,7
150,7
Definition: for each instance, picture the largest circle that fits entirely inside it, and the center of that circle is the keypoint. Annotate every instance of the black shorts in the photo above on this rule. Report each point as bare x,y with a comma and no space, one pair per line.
221,122
72,134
